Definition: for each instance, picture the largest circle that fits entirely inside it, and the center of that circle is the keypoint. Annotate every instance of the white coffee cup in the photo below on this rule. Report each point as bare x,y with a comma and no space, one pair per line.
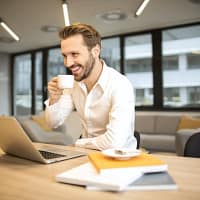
65,81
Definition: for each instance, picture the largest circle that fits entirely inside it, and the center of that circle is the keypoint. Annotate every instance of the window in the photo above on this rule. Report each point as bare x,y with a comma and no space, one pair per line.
193,60
193,95
172,96
138,67
180,49
110,52
55,64
170,62
22,85
143,97
38,83
176,69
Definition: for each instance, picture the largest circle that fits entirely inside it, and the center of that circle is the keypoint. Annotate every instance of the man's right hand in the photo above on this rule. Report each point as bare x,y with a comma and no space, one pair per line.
54,91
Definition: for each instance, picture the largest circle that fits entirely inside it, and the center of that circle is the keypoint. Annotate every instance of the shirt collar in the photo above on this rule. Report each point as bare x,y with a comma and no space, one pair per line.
103,77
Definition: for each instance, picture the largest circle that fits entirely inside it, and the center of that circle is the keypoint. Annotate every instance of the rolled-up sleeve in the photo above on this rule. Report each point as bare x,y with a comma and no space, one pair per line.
56,114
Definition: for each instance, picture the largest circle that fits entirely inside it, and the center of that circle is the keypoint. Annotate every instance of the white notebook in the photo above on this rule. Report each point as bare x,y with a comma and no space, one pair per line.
149,181
86,175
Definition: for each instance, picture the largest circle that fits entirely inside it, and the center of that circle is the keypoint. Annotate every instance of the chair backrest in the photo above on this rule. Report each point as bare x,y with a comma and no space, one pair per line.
137,136
192,146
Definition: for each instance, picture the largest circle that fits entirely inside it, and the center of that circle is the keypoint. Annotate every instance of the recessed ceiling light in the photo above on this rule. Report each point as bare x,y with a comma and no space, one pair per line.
115,15
50,29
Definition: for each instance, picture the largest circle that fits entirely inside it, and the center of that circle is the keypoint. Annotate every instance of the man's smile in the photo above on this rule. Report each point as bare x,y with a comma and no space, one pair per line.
76,69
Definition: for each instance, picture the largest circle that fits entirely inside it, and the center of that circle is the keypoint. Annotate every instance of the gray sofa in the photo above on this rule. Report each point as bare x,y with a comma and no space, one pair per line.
158,130
66,134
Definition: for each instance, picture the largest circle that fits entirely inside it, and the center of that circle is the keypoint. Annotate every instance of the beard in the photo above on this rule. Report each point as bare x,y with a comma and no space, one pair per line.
87,68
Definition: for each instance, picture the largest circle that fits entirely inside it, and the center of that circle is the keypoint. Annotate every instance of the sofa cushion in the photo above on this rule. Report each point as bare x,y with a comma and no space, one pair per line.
40,120
37,134
187,122
145,123
167,124
65,134
158,142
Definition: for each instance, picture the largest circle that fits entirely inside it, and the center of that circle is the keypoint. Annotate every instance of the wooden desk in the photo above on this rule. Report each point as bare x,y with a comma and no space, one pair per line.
22,179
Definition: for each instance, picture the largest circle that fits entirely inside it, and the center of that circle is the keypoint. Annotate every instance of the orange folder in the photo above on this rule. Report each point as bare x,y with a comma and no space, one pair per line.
145,163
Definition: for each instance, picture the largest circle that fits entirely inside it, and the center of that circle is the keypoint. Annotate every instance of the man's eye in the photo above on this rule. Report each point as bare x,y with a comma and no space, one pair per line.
74,54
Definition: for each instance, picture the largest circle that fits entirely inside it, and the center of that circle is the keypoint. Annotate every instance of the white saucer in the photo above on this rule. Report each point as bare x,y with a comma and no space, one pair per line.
124,154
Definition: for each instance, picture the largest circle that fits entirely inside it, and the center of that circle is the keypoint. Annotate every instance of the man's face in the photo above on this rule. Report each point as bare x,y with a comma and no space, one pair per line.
77,57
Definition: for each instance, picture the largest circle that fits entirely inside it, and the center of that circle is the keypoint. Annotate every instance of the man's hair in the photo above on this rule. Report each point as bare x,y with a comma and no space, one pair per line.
91,36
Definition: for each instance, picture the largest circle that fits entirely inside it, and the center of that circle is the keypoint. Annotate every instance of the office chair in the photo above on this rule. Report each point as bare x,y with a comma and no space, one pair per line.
137,136
192,146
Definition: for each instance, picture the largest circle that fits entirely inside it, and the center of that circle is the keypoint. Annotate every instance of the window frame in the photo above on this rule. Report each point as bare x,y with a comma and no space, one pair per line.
156,35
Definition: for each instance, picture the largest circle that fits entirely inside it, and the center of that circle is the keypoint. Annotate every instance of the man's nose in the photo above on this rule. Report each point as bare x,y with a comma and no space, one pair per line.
68,61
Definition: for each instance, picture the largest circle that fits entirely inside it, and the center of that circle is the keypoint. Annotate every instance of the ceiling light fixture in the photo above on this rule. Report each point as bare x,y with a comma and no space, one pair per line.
50,28
112,16
8,29
65,12
141,7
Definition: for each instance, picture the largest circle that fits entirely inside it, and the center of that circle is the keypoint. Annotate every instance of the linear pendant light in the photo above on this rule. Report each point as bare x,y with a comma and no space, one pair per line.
141,7
8,29
65,12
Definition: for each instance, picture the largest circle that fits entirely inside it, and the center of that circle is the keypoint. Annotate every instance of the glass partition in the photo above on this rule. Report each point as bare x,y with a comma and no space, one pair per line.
55,63
38,83
181,67
138,67
110,52
22,85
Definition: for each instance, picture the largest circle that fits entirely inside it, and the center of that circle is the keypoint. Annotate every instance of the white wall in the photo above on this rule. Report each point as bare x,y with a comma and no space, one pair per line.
5,99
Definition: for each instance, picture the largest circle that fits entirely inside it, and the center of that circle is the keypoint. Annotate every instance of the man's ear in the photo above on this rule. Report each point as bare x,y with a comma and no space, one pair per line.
96,51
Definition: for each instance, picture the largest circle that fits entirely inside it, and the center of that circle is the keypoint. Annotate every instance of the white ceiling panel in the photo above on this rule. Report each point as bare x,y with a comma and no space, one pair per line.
26,17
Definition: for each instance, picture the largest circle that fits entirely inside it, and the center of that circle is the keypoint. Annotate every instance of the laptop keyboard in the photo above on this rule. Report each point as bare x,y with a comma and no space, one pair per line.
50,155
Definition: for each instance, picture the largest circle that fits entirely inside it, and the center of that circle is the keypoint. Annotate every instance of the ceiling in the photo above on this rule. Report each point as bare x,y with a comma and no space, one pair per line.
26,17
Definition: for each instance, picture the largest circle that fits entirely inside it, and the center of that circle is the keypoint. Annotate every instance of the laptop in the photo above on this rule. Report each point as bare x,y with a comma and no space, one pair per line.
14,141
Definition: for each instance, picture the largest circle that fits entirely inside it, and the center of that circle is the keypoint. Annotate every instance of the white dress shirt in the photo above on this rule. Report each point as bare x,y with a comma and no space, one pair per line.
107,113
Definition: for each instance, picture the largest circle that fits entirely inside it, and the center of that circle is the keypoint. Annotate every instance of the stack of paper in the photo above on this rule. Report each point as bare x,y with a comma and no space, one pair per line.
87,175
149,181
143,172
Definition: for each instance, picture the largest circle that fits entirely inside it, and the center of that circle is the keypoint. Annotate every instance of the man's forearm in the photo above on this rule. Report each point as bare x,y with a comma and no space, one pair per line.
57,112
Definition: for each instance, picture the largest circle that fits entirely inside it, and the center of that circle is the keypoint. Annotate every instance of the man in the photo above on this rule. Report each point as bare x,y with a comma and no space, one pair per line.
102,97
